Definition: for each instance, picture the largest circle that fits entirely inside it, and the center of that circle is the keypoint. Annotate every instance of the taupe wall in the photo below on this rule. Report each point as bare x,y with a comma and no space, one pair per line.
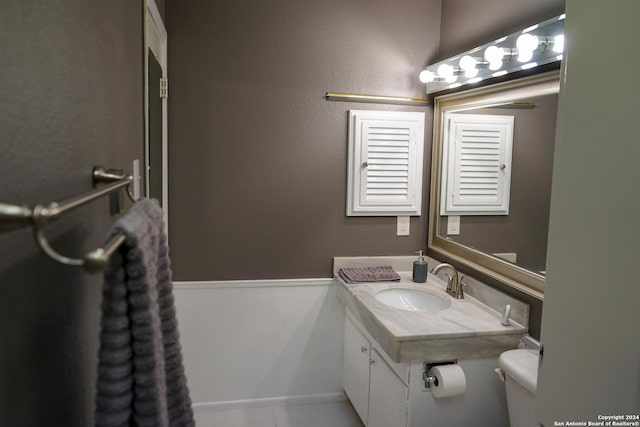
524,230
70,98
470,23
258,157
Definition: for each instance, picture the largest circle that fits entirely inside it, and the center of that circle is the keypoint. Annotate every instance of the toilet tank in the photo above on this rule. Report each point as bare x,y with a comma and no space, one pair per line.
520,369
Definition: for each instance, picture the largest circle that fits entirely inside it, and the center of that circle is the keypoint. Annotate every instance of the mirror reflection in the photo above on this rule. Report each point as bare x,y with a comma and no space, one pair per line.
493,159
519,236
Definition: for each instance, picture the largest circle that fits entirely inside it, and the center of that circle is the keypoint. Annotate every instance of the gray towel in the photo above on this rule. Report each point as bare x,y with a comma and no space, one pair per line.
141,378
368,274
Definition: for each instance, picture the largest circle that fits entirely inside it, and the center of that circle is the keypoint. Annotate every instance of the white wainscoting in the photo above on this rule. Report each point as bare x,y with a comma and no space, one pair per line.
246,342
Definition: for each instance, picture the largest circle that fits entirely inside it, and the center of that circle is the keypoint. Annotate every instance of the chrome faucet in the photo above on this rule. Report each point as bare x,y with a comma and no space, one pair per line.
454,288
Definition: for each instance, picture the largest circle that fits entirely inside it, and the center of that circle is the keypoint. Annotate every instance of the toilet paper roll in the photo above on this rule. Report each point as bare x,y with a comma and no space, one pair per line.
449,380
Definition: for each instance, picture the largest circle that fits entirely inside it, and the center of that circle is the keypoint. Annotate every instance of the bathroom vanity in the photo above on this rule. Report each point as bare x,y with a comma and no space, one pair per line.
388,350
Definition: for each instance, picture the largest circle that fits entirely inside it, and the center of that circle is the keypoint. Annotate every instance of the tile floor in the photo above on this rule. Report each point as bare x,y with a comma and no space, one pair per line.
334,414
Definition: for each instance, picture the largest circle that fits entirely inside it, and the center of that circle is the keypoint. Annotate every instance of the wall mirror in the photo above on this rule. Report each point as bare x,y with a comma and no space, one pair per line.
491,179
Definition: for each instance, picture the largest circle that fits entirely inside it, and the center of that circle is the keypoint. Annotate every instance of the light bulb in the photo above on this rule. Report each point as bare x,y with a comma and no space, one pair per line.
452,78
525,55
468,63
495,65
558,43
445,70
427,76
527,42
493,54
471,73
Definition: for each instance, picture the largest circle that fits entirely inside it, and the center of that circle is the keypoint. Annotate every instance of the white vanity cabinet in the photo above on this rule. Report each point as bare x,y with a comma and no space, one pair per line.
388,395
386,352
355,372
377,391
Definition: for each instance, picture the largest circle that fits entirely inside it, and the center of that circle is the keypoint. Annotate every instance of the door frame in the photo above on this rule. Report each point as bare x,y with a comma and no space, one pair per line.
155,39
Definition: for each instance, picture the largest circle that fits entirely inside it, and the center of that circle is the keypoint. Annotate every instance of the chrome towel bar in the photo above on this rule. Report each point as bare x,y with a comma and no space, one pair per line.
14,217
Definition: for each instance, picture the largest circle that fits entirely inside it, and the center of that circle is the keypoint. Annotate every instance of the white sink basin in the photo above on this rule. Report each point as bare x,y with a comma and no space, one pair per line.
413,300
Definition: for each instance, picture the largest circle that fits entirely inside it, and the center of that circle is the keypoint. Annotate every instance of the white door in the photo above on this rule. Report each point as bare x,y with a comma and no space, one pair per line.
388,395
156,177
355,373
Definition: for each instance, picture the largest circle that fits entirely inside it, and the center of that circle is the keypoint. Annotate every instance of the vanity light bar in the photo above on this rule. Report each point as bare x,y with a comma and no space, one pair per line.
531,47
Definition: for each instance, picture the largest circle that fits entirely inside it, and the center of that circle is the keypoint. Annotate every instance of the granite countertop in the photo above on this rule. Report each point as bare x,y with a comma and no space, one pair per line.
467,329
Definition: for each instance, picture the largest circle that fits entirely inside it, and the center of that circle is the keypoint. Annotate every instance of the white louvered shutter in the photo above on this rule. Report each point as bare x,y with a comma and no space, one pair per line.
476,164
385,163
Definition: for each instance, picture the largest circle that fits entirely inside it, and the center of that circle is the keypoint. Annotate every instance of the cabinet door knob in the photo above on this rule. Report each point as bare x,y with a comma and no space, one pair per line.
372,362
363,349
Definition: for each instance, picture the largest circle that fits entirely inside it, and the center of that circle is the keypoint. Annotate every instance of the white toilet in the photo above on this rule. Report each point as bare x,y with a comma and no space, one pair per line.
520,368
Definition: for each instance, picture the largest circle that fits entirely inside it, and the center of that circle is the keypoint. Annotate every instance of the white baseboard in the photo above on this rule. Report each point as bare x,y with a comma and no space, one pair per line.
272,401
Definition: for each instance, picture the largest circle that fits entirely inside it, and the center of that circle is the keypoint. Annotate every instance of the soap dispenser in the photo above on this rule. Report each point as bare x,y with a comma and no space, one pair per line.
420,269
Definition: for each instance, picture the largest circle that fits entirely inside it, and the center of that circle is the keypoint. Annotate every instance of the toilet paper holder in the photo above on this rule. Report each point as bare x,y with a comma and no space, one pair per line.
427,379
